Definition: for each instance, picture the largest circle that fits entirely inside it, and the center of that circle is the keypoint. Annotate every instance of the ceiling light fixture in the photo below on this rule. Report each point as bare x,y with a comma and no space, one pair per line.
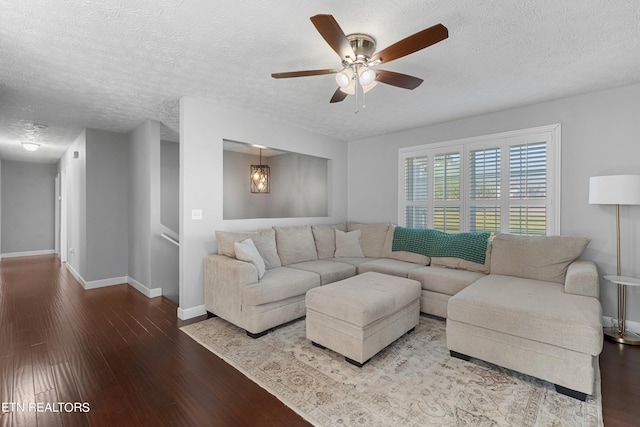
260,178
32,133
30,146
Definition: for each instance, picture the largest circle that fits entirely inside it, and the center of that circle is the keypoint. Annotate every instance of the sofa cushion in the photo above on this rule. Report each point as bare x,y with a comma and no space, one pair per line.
372,237
246,251
329,271
444,280
463,264
533,309
393,267
387,251
279,284
363,299
265,241
295,244
325,238
348,244
535,257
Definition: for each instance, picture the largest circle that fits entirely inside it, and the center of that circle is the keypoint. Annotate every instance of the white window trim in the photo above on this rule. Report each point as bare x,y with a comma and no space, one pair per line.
554,161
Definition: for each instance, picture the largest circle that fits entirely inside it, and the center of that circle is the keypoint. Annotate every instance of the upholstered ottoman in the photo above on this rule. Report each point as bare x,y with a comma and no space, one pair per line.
359,316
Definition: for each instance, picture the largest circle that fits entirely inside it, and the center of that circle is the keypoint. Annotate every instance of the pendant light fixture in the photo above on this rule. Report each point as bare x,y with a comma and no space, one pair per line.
260,178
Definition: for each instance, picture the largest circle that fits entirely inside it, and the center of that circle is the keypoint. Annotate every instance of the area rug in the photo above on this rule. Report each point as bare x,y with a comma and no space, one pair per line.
413,382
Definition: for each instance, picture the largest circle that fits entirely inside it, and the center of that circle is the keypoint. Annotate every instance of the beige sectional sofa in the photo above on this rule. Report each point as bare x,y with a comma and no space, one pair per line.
530,307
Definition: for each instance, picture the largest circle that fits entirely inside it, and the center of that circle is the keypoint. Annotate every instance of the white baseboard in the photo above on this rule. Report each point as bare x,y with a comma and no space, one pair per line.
75,274
94,284
630,325
148,292
190,313
28,253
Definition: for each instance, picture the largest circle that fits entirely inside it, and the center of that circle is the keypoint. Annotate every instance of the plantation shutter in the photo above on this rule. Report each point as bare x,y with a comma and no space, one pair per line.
416,191
484,189
528,188
446,192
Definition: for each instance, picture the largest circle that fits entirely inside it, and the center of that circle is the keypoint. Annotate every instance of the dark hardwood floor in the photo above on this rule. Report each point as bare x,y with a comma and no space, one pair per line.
117,350
123,355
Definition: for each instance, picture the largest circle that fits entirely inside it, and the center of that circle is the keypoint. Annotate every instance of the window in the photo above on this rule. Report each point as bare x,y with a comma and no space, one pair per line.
498,183
415,190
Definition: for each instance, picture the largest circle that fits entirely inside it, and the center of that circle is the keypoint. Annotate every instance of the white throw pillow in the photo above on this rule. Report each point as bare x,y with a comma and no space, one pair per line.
348,244
246,251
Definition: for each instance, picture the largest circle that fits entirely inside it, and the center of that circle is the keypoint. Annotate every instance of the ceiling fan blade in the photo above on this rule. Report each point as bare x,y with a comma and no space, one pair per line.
411,44
338,96
333,34
392,78
305,73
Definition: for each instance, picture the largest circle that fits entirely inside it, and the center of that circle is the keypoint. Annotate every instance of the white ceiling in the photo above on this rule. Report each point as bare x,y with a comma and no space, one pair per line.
113,64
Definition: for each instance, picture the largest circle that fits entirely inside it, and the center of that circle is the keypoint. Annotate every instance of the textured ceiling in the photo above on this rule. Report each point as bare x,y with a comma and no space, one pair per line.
113,64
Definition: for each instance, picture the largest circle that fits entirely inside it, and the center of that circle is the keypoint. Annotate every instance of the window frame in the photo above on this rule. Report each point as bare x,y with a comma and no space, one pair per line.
550,134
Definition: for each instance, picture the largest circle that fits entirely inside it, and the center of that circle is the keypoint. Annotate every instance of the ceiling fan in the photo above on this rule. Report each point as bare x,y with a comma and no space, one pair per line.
358,54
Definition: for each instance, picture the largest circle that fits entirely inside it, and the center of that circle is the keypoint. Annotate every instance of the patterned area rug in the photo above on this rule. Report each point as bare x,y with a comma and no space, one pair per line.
413,382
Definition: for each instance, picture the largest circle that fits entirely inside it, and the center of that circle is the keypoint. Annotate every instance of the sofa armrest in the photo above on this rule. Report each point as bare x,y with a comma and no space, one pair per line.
582,279
224,280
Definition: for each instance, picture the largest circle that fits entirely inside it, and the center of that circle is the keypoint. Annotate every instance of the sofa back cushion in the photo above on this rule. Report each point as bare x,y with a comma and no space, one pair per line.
372,237
348,244
264,240
325,238
535,257
406,256
295,244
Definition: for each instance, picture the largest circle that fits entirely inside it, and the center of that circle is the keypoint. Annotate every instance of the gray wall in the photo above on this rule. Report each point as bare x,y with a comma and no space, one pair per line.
107,205
95,186
169,185
28,206
112,192
153,261
299,187
238,202
599,137
144,153
74,182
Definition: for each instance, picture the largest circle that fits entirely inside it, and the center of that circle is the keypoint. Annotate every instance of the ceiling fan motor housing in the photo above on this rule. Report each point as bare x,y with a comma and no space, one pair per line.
363,45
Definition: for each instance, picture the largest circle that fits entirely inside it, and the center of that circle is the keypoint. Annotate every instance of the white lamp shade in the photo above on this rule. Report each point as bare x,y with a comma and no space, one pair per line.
344,77
614,190
350,89
367,76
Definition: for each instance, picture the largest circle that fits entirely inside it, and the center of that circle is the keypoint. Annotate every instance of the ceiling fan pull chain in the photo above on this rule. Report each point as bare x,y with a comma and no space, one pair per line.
364,99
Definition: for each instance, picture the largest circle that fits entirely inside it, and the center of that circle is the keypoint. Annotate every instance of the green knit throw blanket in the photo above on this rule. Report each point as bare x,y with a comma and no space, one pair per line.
469,246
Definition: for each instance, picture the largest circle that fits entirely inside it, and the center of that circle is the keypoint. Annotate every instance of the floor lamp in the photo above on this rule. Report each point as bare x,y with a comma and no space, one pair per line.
618,190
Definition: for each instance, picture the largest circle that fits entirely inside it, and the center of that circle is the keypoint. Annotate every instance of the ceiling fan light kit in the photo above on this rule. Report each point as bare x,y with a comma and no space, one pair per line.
367,76
358,54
